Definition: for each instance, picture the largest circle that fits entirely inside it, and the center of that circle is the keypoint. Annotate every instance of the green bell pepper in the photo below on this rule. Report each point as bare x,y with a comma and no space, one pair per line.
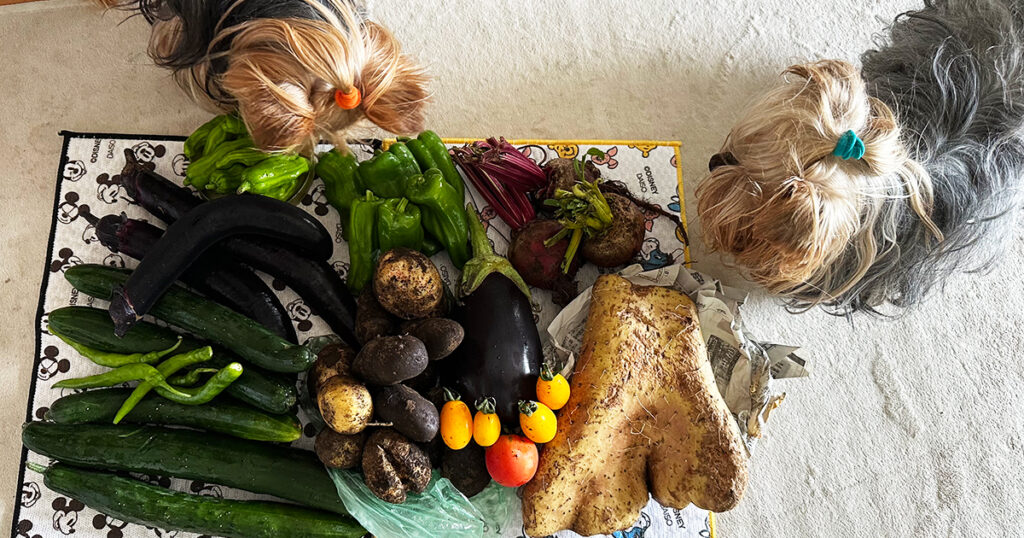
444,216
430,245
198,172
419,151
341,183
439,152
398,225
388,173
362,241
277,177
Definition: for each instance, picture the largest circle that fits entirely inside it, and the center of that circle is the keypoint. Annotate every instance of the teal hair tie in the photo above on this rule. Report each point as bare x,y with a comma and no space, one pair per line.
850,146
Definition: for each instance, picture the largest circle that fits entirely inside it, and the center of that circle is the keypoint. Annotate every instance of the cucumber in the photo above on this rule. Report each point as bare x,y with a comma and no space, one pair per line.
93,327
138,502
289,473
99,406
202,317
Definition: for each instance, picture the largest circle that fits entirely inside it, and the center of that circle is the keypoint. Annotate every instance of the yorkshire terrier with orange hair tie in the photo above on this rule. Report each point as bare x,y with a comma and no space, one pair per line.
296,70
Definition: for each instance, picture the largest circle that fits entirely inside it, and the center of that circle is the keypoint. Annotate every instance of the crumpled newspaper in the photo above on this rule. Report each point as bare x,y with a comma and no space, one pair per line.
744,367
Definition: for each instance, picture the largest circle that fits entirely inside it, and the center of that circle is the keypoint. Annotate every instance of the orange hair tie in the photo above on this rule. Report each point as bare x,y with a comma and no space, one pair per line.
350,100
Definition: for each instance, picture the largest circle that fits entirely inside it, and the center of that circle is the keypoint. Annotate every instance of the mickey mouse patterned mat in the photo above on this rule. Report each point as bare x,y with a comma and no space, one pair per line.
88,183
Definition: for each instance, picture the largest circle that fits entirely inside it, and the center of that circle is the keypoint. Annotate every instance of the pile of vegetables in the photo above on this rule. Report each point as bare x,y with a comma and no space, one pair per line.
409,196
224,160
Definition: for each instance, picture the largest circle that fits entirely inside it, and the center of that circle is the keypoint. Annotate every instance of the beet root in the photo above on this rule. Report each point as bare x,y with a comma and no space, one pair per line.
622,241
539,265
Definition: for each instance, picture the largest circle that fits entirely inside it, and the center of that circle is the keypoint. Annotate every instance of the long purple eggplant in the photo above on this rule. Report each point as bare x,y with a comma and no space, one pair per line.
214,275
203,227
315,281
501,354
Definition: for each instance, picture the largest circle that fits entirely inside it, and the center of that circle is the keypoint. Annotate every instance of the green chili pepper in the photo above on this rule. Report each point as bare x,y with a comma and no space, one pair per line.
444,216
435,146
198,172
277,177
419,151
190,378
341,183
213,386
164,370
196,142
113,360
225,181
245,156
387,174
122,374
362,239
398,225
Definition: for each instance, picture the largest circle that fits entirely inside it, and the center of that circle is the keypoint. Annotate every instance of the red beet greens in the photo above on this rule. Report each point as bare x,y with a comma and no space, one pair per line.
504,177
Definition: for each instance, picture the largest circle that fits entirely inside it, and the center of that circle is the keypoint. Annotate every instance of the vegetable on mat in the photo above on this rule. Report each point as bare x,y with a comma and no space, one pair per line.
109,359
503,176
500,355
537,421
93,327
456,421
486,425
407,284
642,344
203,318
512,460
278,176
362,241
289,473
399,225
388,360
133,501
443,217
346,404
410,414
552,388
199,230
221,416
226,281
393,466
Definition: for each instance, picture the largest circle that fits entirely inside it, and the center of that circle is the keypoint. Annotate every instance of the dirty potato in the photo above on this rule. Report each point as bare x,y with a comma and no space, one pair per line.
440,335
410,414
339,451
390,359
372,320
333,360
393,466
407,284
345,404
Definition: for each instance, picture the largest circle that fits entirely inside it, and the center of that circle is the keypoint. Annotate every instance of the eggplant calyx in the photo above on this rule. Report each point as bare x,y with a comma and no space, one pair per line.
485,261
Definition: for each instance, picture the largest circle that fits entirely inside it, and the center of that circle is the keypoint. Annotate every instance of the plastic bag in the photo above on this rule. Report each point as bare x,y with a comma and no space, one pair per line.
441,510
496,504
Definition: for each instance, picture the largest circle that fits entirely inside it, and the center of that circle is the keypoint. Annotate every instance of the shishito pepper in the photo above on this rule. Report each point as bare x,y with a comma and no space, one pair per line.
341,183
277,177
196,142
225,181
443,215
399,225
230,127
198,172
443,160
362,240
388,173
249,156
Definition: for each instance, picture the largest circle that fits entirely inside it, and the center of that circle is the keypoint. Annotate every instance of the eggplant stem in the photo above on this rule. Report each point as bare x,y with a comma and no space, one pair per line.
485,261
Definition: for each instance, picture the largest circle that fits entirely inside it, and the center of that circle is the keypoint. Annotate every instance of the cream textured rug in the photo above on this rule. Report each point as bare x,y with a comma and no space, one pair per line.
911,427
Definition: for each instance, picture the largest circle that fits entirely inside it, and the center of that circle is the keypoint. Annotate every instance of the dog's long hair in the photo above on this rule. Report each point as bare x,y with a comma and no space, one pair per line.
280,62
940,108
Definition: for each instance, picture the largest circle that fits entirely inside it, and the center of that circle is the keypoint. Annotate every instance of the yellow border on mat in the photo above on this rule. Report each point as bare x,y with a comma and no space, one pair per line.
711,523
671,143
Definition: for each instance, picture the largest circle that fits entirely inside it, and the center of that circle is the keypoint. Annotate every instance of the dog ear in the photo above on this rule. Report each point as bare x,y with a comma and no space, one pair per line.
394,87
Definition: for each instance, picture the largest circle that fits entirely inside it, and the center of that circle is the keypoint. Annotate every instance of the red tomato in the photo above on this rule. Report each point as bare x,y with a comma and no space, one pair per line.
512,460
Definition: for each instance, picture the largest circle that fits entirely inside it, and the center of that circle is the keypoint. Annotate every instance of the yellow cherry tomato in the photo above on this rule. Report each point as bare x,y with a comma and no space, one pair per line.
537,421
486,425
456,422
552,389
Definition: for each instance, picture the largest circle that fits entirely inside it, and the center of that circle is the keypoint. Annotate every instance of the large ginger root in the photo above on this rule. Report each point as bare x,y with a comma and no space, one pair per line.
644,415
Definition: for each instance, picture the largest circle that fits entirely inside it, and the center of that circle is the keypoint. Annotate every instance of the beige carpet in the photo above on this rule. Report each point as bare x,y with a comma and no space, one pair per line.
912,427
